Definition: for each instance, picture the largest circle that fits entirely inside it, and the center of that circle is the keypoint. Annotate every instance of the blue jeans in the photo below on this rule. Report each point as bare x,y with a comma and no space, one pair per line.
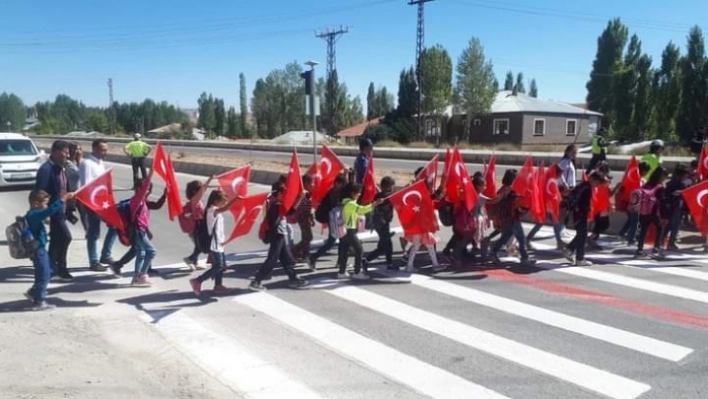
629,230
42,274
516,230
557,229
145,252
93,233
218,264
328,244
675,226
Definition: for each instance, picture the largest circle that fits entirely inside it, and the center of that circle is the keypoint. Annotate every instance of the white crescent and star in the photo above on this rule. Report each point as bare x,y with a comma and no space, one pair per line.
413,193
550,184
326,161
458,167
236,183
95,192
253,211
699,197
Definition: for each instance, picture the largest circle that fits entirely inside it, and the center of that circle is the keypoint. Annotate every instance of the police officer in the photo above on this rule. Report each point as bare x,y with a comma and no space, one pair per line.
599,150
137,150
653,157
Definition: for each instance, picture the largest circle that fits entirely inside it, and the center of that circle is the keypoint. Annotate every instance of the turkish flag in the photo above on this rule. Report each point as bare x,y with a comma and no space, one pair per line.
235,182
695,197
369,188
552,195
162,163
703,163
98,197
415,209
490,177
293,185
523,185
600,201
314,173
246,214
631,180
459,179
330,167
584,177
430,173
538,210
446,165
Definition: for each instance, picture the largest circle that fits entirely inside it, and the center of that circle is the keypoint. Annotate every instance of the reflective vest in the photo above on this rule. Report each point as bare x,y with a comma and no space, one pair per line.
137,149
653,161
597,149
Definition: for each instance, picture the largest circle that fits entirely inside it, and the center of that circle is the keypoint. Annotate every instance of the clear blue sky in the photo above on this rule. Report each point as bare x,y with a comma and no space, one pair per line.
173,50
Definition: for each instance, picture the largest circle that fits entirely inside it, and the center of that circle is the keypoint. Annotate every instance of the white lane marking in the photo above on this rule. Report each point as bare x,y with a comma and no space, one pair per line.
421,377
588,377
655,266
626,339
231,362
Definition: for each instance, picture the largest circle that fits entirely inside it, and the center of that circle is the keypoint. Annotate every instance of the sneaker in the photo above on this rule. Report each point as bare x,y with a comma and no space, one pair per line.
297,283
674,248
569,255
196,286
528,262
658,253
98,268
583,262
107,261
640,254
438,268
28,295
310,265
256,286
115,269
392,268
143,281
494,259
199,266
66,276
360,276
220,289
42,306
342,276
189,263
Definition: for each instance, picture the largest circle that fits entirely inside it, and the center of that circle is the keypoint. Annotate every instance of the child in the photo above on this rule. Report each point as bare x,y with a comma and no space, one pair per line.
277,251
383,215
351,211
144,250
509,215
645,202
330,201
673,204
216,205
557,227
39,211
601,220
192,214
579,201
631,226
306,222
471,226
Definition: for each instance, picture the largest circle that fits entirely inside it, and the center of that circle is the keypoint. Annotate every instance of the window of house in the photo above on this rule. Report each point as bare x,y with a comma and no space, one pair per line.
477,122
571,127
539,127
501,126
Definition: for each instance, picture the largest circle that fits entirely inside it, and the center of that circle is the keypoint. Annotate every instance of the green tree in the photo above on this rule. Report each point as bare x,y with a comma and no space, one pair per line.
642,116
496,84
626,89
207,112
335,105
437,85
667,93
219,117
12,110
385,101
407,93
277,102
533,89
243,102
519,85
692,111
371,103
601,90
98,121
474,90
232,124
509,81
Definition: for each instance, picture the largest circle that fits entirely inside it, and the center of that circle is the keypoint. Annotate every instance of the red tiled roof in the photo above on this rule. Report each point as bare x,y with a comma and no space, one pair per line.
358,130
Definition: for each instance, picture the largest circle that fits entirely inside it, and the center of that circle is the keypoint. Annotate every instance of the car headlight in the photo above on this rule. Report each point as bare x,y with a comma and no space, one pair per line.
38,159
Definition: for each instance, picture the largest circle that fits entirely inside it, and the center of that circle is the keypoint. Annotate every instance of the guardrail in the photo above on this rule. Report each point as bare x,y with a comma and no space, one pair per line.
515,158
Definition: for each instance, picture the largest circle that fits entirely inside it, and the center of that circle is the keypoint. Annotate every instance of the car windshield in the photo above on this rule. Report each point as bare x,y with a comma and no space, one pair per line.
17,147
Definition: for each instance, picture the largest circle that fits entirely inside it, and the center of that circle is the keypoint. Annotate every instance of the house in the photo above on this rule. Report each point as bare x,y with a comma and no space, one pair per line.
352,134
528,121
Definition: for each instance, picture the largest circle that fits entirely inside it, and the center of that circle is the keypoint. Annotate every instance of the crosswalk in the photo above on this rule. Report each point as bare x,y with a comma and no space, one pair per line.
615,330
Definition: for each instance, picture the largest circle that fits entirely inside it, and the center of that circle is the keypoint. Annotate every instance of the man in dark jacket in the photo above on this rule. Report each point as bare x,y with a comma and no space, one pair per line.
51,177
361,163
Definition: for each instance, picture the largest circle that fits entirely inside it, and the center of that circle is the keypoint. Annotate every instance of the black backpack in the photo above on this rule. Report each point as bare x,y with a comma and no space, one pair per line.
203,237
446,213
20,240
322,211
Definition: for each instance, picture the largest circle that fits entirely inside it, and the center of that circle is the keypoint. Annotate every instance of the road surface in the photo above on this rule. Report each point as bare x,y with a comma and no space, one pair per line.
621,329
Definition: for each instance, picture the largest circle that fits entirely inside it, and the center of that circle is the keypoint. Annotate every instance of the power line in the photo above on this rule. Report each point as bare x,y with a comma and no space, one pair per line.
420,46
331,36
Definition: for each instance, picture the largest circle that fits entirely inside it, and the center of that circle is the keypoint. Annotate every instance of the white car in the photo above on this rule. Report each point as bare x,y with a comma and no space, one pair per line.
19,160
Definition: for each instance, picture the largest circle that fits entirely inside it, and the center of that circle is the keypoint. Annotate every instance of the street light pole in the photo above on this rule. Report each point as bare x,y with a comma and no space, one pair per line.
313,113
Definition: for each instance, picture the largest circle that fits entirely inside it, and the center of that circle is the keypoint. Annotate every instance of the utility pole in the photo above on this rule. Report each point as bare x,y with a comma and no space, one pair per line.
331,36
111,108
420,47
311,97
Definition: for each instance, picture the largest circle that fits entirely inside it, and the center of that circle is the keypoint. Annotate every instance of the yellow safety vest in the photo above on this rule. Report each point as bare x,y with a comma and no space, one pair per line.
137,149
653,161
596,149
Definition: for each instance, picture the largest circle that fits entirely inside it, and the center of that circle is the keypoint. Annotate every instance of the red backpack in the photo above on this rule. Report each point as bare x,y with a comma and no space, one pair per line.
188,219
644,201
465,222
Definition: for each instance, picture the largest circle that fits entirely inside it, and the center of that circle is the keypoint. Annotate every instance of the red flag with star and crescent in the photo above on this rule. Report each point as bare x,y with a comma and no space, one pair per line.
98,197
631,180
703,163
446,165
293,185
490,177
430,173
538,209
523,185
415,209
235,182
552,195
246,215
329,168
369,188
458,180
696,198
162,163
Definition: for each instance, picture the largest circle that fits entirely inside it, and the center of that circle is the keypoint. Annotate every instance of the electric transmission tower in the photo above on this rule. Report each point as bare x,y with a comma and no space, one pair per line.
111,108
331,36
420,47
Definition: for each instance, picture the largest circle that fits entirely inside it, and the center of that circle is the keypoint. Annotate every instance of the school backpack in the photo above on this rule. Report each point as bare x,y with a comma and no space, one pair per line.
382,216
446,213
323,210
264,233
336,222
20,240
126,236
466,222
202,236
187,222
644,201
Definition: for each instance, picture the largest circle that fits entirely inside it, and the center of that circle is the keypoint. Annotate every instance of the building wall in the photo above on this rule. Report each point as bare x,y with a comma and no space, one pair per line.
554,131
482,130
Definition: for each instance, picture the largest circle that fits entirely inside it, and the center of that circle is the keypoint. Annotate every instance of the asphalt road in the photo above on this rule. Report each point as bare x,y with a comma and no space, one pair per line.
620,329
